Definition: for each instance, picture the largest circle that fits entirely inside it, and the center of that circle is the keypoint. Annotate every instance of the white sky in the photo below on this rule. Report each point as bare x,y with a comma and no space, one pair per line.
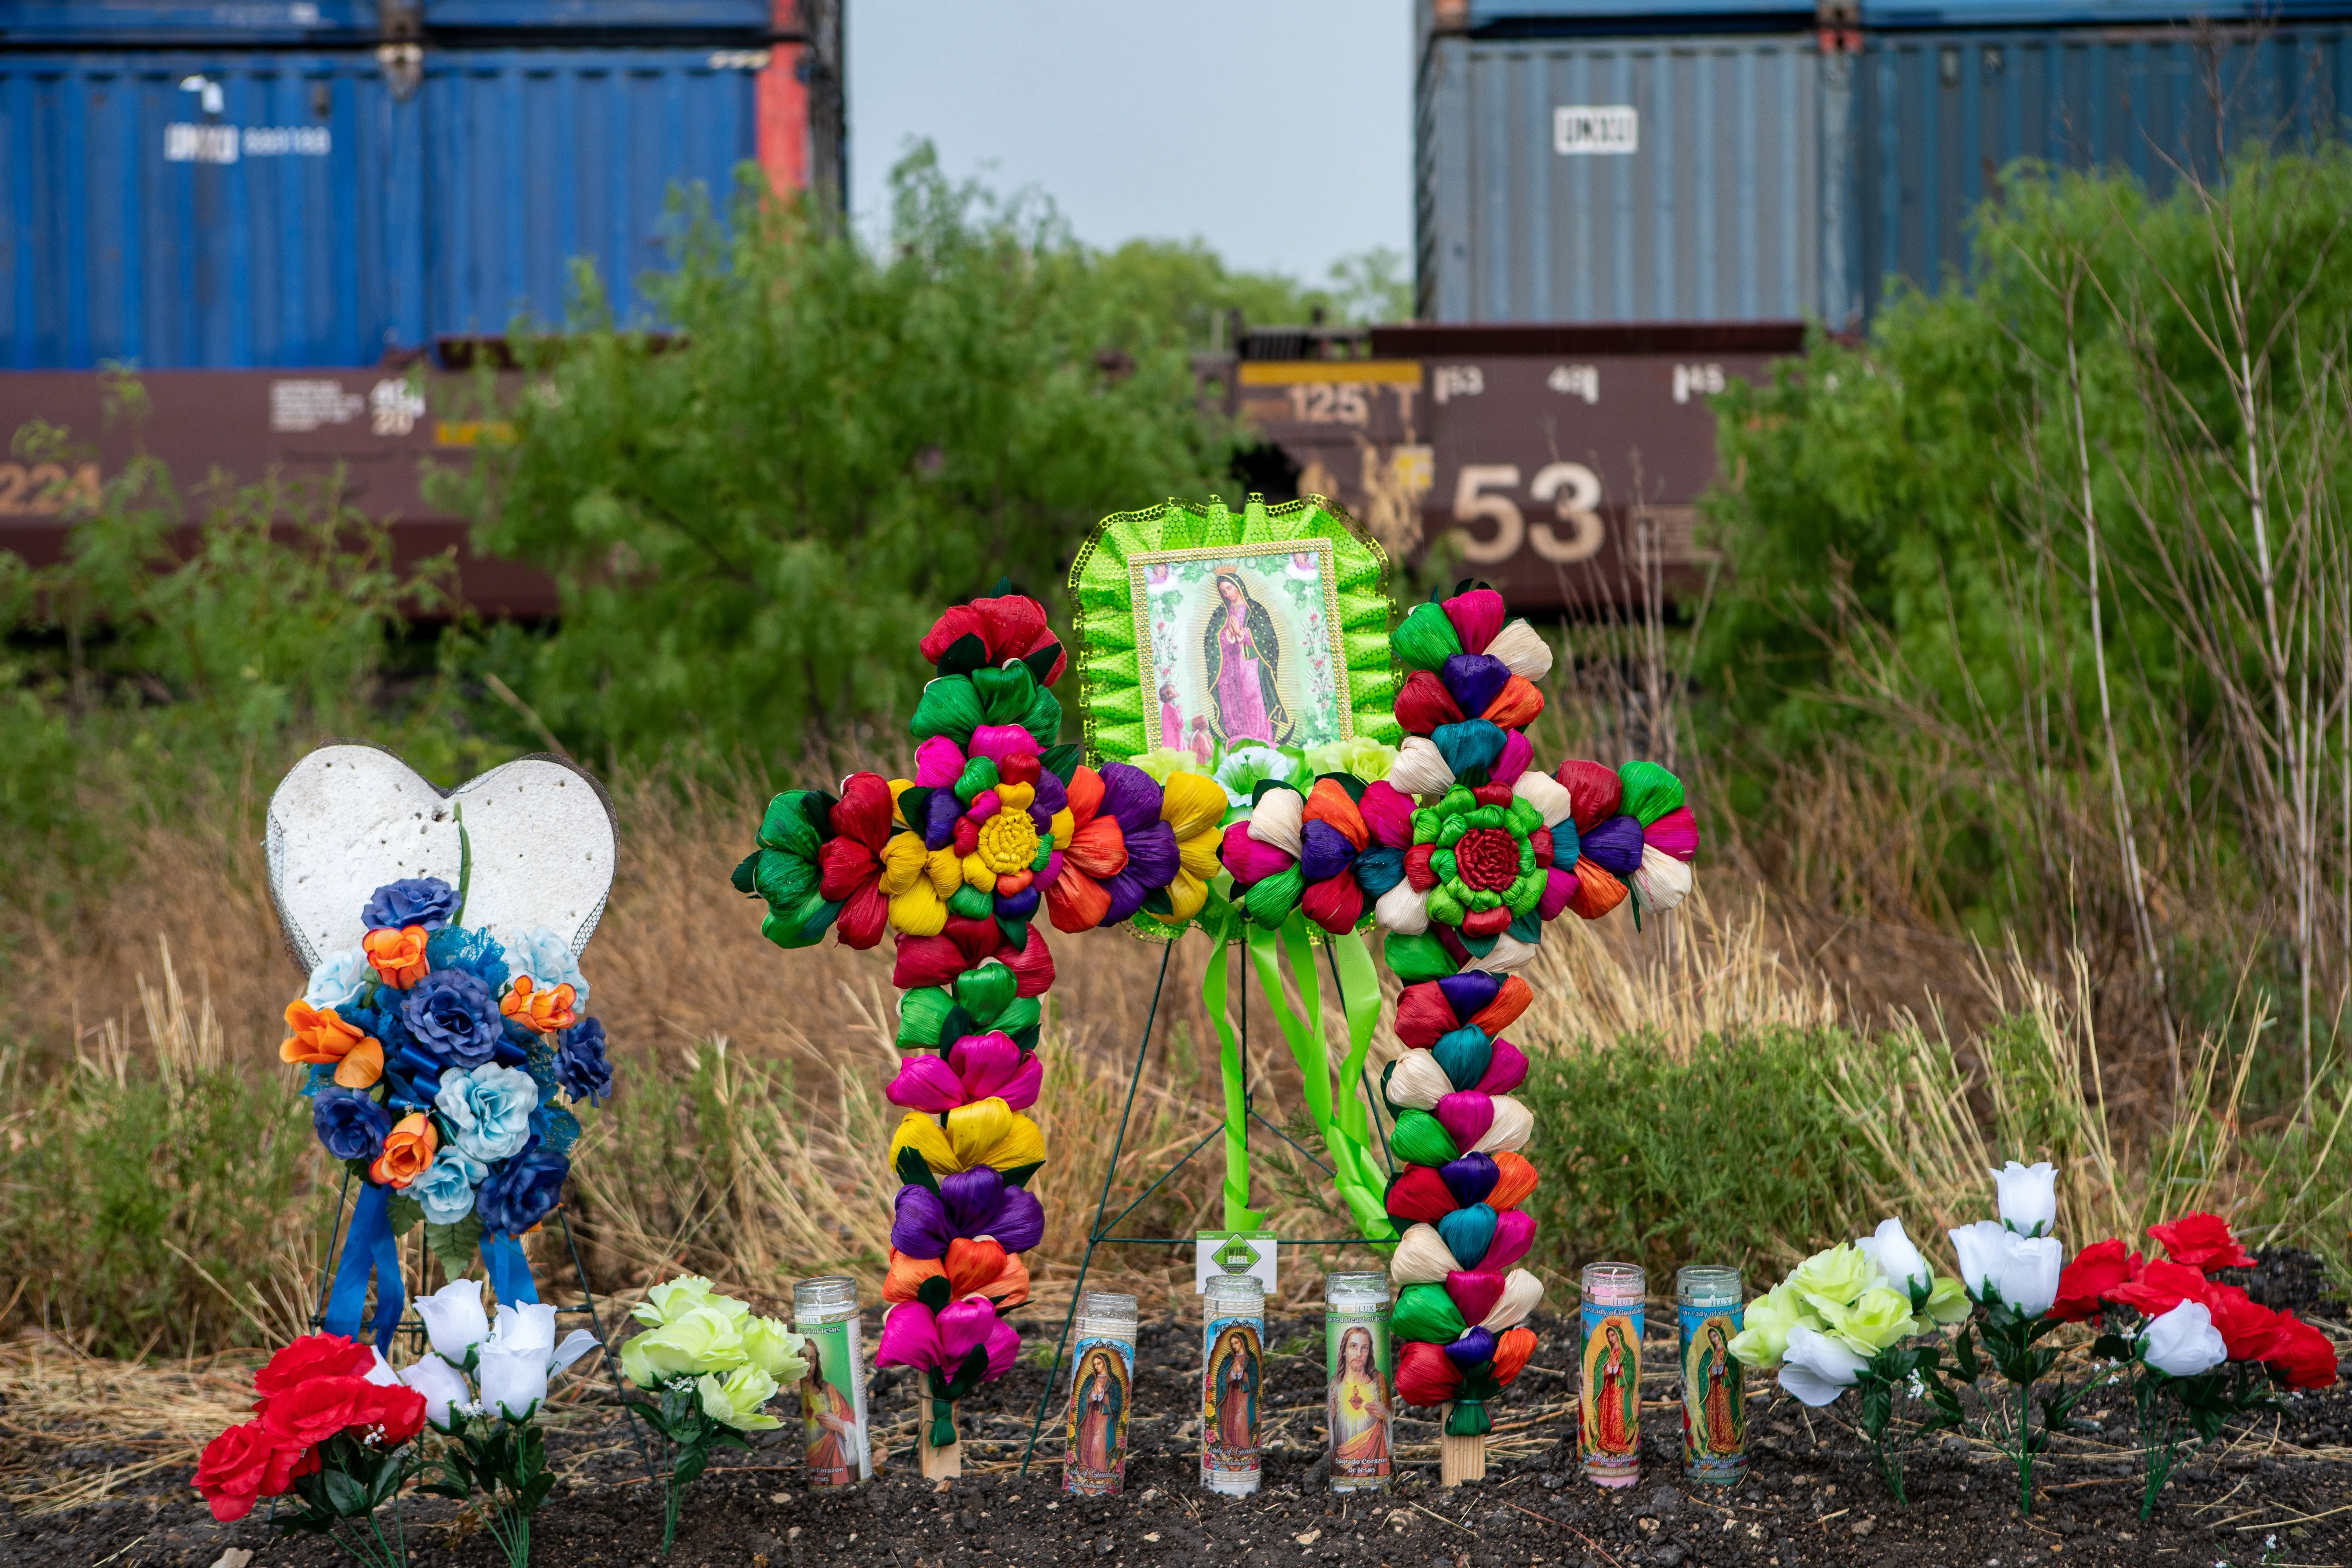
1279,131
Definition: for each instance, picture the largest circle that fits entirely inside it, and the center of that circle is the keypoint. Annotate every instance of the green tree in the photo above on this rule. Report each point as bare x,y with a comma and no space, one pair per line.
752,522
2055,563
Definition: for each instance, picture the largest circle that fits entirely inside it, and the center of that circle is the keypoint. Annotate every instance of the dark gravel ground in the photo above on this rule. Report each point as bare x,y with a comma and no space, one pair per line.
2277,1492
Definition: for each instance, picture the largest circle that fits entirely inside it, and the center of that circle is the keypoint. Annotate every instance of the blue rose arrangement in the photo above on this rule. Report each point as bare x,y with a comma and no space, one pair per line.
446,1062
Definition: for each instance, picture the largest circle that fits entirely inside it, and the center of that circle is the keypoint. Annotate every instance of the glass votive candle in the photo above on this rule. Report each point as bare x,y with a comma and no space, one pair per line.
1609,1401
1102,1378
1232,1372
1707,1302
1359,1405
833,1394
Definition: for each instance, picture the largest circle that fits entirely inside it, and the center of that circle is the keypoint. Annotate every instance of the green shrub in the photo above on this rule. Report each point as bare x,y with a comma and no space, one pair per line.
1736,1155
139,1214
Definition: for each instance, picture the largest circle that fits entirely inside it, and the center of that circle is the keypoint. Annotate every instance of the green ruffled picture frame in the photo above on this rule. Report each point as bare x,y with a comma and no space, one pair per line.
1306,572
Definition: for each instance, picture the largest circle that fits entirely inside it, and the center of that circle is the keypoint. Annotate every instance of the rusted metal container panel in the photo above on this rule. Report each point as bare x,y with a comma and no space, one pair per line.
1670,177
1560,462
302,426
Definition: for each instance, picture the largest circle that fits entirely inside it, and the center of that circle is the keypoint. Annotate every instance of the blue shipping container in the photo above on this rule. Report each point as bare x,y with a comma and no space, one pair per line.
1937,116
186,209
221,24
1533,19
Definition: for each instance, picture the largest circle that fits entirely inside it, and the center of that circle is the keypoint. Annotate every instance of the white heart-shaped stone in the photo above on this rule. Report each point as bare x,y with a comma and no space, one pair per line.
349,818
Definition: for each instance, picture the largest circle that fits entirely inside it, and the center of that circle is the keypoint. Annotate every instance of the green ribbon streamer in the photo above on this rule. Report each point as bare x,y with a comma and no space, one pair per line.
1218,919
1341,1124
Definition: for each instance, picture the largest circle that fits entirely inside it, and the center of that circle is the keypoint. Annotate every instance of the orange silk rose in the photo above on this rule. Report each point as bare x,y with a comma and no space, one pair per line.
545,1011
408,1151
319,1036
398,956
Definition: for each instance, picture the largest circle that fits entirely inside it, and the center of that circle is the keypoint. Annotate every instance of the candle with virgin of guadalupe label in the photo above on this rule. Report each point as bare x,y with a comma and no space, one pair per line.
1355,1364
1102,1374
1715,1418
1232,1367
1610,1404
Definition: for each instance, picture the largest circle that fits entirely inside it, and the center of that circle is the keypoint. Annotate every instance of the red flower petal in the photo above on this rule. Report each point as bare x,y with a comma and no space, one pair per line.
1423,704
865,809
959,621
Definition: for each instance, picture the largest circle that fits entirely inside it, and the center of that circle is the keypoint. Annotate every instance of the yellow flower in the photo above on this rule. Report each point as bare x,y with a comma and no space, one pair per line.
985,1132
1164,763
1008,842
1193,806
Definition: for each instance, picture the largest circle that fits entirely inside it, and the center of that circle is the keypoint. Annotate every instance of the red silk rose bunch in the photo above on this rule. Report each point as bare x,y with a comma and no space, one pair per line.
333,1427
2198,1350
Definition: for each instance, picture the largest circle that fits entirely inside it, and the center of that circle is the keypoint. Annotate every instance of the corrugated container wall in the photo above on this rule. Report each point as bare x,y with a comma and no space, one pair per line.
135,227
289,206
1669,178
1938,114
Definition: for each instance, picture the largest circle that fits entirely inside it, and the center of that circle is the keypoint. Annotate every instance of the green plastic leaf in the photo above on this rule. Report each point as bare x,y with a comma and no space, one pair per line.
454,1244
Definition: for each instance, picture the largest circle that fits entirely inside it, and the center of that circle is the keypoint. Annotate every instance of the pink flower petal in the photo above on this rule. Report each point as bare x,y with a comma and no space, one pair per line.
1249,861
964,1327
1477,615
1388,813
1675,834
1003,1346
992,1064
911,1337
1518,752
1559,891
998,741
939,762
926,1083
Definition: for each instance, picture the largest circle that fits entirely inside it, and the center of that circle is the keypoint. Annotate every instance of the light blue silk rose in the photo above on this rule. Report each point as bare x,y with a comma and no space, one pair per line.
488,1109
339,979
546,957
446,1188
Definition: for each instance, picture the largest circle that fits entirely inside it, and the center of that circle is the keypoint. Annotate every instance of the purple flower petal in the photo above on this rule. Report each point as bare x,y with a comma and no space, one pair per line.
1473,678
1151,863
1131,796
1474,1347
922,1228
1021,1224
1017,906
1324,851
973,1199
1470,1178
939,819
1053,795
1615,845
1470,993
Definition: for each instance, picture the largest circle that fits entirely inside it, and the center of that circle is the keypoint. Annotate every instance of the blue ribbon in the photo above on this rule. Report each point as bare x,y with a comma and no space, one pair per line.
509,1270
368,1249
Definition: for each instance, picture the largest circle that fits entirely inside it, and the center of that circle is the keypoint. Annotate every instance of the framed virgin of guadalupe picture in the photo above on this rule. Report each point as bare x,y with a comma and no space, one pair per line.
1204,633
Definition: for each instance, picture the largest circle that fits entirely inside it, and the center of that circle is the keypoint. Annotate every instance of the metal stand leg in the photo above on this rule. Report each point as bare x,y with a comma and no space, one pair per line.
611,1356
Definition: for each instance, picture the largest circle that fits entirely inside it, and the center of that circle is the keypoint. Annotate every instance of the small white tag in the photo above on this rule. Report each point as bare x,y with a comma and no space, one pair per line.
1585,129
1250,1252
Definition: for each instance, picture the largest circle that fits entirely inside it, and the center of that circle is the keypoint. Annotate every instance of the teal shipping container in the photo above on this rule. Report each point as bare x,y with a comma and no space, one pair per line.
1747,159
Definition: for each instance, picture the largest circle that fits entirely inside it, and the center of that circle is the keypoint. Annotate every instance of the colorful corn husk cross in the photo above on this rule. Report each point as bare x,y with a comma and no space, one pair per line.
999,824
1464,880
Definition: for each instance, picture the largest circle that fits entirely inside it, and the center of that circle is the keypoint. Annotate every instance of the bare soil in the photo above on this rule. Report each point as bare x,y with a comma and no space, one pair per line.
2277,1492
